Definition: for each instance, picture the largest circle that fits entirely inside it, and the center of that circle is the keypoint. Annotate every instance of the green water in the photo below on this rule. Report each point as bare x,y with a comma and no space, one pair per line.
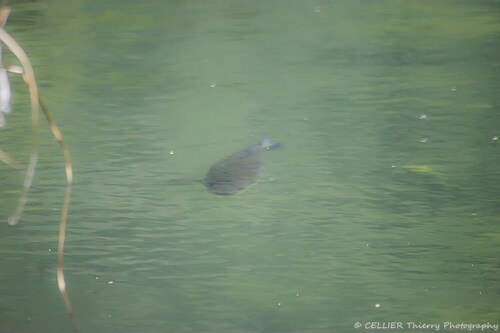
363,204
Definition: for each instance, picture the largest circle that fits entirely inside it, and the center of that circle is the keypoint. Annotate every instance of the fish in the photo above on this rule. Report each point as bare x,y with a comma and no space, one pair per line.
238,171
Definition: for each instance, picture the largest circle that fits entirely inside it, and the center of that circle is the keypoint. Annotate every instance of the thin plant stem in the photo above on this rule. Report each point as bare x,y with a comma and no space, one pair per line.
36,104
4,157
29,79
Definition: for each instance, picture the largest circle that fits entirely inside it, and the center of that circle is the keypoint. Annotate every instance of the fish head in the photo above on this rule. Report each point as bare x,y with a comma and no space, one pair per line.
268,144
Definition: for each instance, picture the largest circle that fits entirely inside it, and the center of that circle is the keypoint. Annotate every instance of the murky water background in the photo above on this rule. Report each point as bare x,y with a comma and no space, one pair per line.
385,190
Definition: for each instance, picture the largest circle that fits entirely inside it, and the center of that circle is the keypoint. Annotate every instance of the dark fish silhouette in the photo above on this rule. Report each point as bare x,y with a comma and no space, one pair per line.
238,171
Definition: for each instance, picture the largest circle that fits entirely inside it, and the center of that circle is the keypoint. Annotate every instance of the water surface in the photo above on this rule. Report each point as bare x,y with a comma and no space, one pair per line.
385,190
